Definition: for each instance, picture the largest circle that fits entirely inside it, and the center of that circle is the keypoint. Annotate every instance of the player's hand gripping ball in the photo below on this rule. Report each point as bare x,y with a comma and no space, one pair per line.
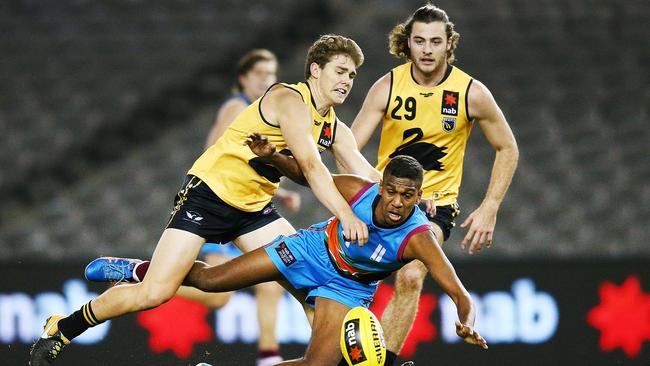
362,339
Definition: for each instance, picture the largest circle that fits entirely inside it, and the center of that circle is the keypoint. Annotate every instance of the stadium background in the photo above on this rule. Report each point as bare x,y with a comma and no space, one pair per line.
105,105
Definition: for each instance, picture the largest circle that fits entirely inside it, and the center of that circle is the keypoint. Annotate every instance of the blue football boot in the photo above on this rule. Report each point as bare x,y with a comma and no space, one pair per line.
112,269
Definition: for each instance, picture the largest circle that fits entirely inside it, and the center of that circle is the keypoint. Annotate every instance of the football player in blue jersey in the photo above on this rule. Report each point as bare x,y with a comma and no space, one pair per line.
334,275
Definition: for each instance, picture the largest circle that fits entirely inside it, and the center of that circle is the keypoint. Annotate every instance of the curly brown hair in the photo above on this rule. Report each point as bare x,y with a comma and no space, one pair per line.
329,45
398,37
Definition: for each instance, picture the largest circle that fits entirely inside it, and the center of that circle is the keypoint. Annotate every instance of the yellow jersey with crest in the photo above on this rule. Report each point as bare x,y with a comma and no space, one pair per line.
430,124
236,174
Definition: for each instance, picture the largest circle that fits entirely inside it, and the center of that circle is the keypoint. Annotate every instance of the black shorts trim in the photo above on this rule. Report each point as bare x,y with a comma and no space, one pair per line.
198,210
444,218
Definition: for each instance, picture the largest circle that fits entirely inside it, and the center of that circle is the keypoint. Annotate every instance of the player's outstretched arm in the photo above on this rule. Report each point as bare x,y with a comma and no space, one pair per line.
260,146
347,184
349,157
489,116
285,108
372,111
424,246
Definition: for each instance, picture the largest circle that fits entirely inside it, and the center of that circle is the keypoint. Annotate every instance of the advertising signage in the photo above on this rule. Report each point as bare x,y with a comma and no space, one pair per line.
564,313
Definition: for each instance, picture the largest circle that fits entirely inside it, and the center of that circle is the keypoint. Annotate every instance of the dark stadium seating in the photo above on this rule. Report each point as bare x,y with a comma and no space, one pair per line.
105,105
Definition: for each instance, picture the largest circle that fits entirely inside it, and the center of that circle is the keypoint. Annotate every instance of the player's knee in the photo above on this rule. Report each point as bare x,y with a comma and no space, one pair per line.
410,279
152,296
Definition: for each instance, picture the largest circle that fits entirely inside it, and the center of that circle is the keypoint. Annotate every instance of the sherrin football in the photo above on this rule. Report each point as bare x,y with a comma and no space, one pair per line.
362,339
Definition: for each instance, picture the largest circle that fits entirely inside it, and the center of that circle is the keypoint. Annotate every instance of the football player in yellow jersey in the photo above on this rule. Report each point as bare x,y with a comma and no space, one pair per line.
239,208
427,108
256,71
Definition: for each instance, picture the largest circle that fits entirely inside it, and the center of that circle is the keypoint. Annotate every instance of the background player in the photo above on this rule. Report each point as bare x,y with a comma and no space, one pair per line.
427,108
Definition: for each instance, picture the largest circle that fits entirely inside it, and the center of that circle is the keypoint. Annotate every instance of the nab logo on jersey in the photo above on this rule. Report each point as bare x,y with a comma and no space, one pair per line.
325,138
449,103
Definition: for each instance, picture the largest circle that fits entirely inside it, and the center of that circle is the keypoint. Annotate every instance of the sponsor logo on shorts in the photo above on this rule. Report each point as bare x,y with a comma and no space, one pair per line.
449,103
267,210
366,302
193,216
353,345
285,254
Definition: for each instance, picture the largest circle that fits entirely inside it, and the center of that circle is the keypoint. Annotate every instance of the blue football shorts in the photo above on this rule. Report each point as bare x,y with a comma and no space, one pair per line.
303,260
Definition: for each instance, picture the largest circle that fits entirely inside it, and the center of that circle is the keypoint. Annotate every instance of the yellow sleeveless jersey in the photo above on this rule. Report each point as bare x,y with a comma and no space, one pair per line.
236,174
430,124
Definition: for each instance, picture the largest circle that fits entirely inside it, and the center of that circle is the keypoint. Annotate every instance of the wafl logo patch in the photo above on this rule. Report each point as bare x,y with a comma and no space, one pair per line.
449,103
448,123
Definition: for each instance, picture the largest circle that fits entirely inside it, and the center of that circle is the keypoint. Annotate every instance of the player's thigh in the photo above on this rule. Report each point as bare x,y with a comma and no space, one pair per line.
172,259
324,347
259,237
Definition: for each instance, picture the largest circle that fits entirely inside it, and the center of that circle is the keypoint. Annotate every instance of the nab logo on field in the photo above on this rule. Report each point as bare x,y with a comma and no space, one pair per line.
353,342
449,103
524,315
325,138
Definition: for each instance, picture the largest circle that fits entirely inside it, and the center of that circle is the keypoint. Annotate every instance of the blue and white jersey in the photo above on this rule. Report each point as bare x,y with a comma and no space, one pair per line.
383,252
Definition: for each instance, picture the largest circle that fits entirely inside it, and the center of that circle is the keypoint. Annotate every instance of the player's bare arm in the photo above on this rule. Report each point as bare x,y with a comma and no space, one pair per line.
372,110
224,118
286,109
349,157
349,185
424,246
489,116
369,117
287,165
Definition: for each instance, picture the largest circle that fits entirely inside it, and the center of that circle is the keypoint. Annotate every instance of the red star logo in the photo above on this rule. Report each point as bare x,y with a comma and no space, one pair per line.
176,325
423,329
327,132
623,316
450,99
355,353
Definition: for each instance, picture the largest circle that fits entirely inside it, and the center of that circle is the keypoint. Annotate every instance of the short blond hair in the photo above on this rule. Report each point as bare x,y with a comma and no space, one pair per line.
329,45
398,37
